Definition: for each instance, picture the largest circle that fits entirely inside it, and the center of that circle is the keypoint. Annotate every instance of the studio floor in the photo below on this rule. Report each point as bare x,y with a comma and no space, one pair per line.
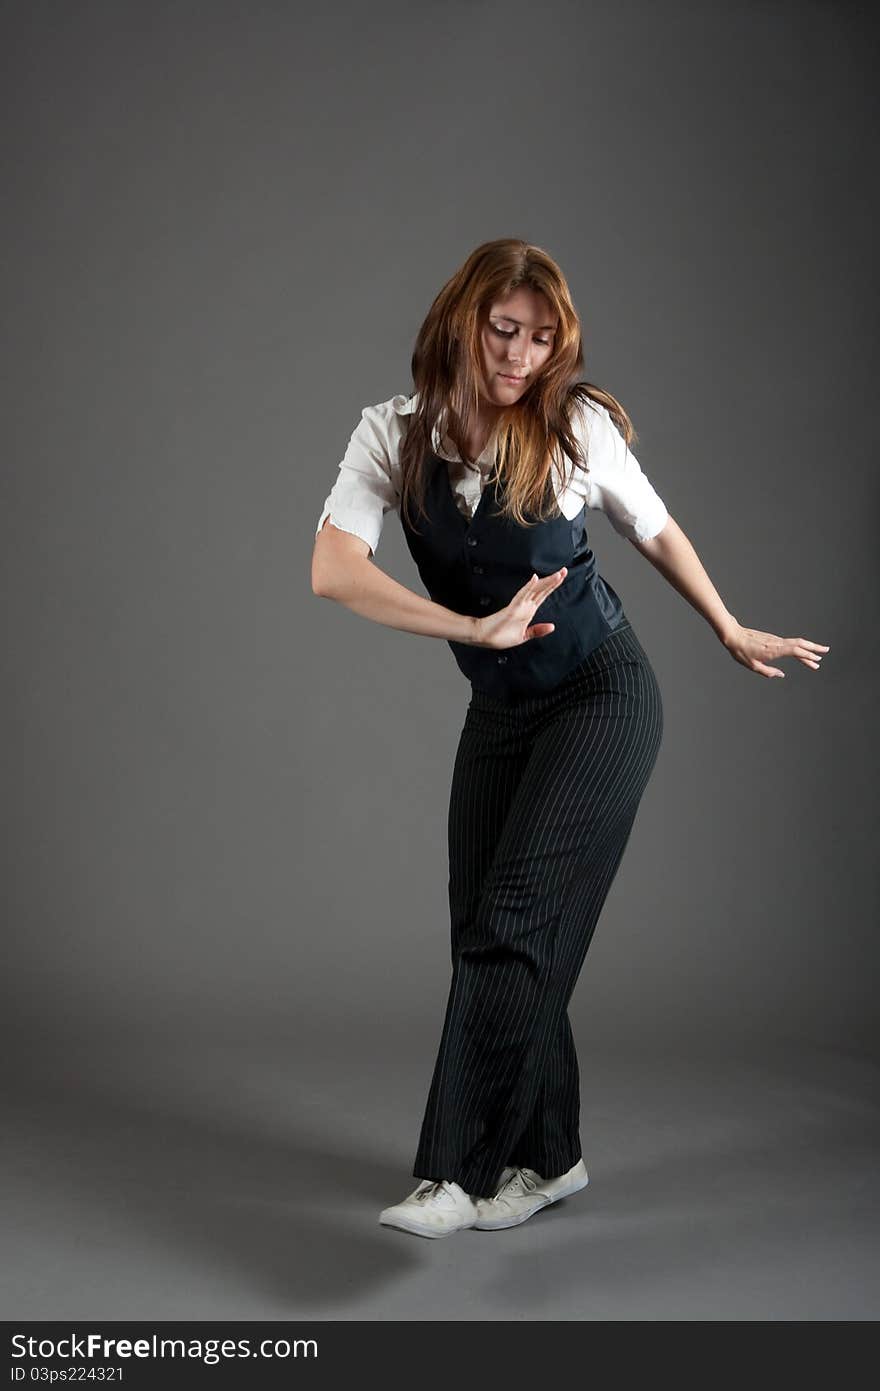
209,1180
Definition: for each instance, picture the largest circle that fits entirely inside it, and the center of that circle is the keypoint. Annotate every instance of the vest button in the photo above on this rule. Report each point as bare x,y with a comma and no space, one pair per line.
485,599
502,659
478,569
472,540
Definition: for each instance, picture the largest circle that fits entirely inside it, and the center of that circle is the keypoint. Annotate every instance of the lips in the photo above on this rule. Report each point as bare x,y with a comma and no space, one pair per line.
508,377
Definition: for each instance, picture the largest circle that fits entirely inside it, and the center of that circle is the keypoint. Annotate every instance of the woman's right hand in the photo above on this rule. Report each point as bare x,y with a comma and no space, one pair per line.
512,625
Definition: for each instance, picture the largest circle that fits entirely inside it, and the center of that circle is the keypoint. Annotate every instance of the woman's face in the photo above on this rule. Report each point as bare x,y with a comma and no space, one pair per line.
517,338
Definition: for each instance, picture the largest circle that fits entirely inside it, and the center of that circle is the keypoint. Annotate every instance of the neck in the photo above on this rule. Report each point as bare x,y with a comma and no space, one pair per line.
480,429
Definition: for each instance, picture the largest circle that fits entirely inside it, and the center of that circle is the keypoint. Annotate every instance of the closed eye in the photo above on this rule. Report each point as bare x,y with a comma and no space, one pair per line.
508,333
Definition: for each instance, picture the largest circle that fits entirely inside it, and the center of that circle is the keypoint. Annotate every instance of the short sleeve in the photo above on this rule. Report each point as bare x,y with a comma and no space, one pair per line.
366,487
616,482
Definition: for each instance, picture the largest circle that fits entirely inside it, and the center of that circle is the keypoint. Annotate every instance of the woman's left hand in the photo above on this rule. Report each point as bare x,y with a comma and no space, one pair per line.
756,650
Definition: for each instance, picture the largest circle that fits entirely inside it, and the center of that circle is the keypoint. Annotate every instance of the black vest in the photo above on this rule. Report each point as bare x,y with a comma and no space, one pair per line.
476,568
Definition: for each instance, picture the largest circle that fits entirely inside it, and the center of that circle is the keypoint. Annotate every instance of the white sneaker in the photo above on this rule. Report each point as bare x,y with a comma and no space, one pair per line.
523,1193
435,1208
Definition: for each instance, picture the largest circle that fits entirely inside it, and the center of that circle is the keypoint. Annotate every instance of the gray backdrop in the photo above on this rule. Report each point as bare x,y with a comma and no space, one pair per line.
226,932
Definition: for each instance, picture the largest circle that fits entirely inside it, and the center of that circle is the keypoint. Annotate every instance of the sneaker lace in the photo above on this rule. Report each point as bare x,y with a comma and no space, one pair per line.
520,1181
437,1188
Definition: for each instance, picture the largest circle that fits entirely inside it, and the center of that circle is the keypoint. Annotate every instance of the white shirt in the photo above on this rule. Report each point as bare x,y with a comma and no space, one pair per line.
368,484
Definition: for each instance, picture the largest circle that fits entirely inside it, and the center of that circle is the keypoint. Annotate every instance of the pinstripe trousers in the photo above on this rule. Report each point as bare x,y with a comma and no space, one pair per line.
545,790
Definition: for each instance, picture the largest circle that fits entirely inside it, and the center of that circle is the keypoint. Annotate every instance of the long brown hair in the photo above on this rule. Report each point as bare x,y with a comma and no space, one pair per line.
447,368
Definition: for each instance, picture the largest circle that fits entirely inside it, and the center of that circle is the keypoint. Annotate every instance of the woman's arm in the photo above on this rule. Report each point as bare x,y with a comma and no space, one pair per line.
672,554
342,570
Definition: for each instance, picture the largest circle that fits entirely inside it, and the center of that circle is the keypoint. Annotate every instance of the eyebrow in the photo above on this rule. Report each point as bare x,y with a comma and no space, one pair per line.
511,320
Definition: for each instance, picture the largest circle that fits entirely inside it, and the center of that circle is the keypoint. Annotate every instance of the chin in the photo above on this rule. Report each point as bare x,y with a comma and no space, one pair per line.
501,394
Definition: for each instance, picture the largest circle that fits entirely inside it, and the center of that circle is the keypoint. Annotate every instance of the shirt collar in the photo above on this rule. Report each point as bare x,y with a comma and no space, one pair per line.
442,445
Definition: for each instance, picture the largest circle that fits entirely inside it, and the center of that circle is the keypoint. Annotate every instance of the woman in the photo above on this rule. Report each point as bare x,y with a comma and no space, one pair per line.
492,464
